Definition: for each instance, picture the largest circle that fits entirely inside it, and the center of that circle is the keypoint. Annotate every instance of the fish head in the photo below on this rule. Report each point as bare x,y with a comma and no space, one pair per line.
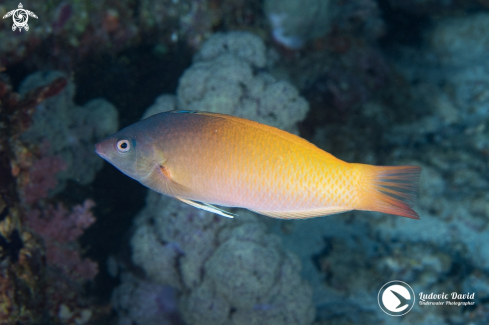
131,151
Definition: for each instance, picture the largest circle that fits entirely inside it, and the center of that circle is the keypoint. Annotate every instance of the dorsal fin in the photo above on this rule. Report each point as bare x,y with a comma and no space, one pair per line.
183,112
249,123
273,130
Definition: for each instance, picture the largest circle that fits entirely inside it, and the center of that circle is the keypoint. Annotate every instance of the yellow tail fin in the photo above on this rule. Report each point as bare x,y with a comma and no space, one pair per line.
389,190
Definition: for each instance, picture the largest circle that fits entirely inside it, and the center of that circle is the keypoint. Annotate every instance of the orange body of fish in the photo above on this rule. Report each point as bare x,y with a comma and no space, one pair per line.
229,161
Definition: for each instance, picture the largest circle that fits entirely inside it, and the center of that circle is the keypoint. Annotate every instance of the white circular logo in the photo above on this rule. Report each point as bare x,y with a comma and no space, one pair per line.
396,298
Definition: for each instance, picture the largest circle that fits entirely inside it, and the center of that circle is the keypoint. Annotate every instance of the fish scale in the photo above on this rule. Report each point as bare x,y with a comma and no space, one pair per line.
230,161
268,172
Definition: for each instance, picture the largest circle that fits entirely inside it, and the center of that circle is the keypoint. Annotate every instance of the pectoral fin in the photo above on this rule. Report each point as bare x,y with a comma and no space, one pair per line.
164,183
161,179
208,207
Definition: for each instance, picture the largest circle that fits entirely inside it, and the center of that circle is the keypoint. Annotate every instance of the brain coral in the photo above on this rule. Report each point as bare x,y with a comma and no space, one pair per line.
227,271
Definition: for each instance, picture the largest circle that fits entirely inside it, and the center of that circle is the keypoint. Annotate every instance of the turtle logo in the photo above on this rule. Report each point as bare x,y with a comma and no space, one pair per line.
20,16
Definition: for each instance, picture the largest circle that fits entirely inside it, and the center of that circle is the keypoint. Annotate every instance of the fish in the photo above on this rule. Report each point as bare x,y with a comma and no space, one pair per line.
205,159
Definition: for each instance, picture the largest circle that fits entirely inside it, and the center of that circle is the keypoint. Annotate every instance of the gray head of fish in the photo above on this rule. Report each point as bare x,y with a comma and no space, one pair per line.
130,150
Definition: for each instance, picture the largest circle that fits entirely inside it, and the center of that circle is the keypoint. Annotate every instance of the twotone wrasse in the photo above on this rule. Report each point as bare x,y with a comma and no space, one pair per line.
205,158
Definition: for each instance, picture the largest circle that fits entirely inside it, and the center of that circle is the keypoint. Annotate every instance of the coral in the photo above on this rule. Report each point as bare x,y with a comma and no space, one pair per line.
71,131
294,22
42,178
435,8
249,272
470,93
227,271
191,20
163,103
352,81
436,119
343,69
360,19
21,254
234,271
225,78
68,31
64,304
60,229
245,46
451,37
70,26
426,267
32,293
187,237
140,302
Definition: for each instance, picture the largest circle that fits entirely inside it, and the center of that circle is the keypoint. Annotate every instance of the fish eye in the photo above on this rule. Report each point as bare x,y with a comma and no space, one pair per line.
123,146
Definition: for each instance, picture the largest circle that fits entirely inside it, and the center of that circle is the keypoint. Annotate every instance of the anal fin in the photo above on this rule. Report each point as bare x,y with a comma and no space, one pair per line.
303,214
208,207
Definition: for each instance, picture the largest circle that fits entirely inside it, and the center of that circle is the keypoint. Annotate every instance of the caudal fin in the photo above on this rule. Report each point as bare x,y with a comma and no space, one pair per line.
389,190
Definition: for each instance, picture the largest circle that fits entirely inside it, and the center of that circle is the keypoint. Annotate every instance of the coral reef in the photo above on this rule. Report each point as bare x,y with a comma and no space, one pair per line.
69,27
420,98
351,81
146,303
451,37
60,229
69,130
163,103
191,20
226,78
21,254
293,22
33,292
65,270
362,19
343,69
437,120
226,271
426,267
69,31
41,178
436,7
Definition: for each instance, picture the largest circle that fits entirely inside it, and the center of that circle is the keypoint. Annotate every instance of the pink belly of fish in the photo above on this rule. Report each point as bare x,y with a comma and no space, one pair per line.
280,179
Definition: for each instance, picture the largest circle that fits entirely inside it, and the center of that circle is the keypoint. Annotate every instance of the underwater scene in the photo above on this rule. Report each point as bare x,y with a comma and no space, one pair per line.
244,162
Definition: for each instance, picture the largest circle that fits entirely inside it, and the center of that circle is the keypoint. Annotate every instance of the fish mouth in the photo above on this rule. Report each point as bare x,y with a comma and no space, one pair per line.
98,151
